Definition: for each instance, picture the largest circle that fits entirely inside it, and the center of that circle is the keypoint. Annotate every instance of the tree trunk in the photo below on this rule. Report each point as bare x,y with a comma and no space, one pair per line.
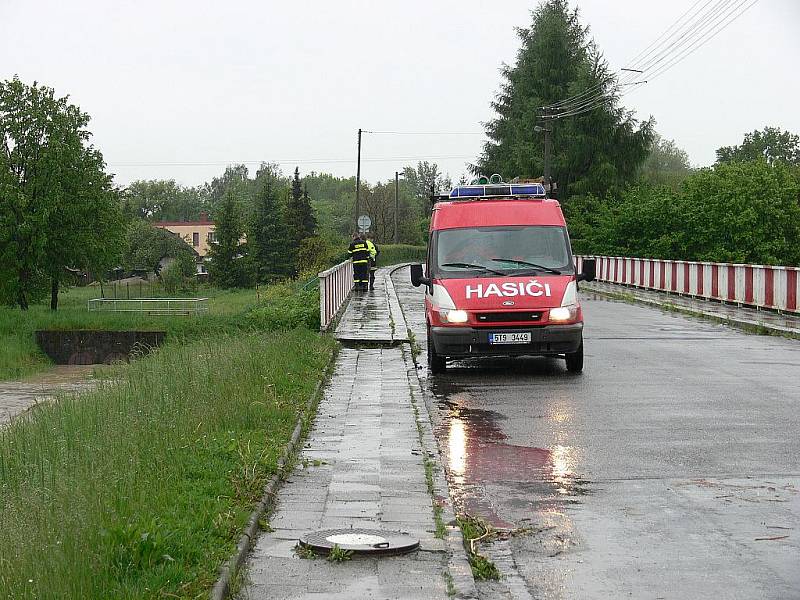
22,298
54,293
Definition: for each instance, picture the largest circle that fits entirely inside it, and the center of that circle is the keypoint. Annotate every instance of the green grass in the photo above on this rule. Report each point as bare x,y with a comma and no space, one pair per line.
393,254
474,529
274,307
140,489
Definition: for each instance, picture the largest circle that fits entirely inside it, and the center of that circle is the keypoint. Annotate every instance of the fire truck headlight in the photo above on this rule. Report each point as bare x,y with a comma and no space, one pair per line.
563,314
454,316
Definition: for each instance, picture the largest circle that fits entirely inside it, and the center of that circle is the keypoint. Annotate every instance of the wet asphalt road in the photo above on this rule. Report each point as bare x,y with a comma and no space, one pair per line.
669,469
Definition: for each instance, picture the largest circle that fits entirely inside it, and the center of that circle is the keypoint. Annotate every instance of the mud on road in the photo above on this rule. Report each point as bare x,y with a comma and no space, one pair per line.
669,469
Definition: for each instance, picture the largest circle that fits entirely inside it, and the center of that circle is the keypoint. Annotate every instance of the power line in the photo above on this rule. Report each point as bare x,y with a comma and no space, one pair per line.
700,43
661,52
424,132
287,161
694,29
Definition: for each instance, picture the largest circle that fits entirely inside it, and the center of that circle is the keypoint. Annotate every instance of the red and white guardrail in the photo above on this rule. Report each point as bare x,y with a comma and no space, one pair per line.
772,287
334,287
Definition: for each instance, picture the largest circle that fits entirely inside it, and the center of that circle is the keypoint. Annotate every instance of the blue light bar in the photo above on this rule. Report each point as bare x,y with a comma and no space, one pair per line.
528,190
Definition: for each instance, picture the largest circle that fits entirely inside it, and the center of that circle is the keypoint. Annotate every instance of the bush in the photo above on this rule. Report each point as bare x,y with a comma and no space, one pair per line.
743,212
393,254
289,311
179,274
146,246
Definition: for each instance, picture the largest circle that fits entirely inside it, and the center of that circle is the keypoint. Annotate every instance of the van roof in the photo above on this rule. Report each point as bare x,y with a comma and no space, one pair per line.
491,213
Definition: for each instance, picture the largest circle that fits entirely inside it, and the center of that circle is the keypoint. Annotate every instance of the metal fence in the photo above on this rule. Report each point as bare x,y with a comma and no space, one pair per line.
150,306
334,288
760,286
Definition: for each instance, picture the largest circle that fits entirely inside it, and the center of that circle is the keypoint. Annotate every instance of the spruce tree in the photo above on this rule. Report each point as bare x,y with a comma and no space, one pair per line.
225,265
269,252
294,213
592,152
309,221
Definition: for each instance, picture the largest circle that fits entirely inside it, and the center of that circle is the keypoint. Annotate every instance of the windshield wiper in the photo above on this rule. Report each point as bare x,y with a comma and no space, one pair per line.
471,266
528,264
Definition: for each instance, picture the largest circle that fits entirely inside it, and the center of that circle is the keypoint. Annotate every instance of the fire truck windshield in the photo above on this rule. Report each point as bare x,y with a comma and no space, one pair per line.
511,250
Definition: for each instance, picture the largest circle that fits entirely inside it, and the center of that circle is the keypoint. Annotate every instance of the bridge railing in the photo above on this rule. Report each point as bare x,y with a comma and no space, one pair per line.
760,286
335,285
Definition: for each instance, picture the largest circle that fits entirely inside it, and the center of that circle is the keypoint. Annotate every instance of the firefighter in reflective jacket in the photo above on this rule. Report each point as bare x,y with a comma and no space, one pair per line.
359,254
373,259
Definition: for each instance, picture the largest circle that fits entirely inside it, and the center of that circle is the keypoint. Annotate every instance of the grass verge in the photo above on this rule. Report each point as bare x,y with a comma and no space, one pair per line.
281,306
394,254
140,489
473,530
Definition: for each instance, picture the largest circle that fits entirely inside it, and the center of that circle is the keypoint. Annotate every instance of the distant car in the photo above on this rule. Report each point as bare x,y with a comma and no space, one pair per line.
501,278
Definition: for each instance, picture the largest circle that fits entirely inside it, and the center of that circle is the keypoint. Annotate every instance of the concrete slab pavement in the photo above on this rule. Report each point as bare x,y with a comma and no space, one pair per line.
373,316
362,466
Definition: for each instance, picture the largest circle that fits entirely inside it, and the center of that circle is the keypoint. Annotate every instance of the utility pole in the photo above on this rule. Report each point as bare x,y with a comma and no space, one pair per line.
358,183
546,174
547,186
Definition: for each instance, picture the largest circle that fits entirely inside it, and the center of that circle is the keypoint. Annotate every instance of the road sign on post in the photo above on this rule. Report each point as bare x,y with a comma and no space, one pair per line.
363,223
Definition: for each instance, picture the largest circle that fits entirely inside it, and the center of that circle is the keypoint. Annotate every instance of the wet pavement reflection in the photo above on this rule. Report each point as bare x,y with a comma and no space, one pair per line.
479,458
667,469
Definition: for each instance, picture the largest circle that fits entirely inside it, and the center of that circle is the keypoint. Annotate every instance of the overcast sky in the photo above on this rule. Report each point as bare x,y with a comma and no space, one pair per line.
207,83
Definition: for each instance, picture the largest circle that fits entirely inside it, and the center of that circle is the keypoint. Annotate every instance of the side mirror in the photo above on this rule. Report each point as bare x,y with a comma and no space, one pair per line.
417,277
589,270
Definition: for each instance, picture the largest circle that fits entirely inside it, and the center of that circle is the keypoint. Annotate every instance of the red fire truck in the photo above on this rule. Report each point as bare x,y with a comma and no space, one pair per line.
500,276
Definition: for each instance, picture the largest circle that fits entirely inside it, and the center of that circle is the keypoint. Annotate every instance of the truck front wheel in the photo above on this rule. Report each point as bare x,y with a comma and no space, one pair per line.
575,360
436,362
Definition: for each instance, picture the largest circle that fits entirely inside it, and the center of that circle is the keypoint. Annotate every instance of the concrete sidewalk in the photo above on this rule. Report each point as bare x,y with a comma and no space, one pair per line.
734,315
363,466
374,316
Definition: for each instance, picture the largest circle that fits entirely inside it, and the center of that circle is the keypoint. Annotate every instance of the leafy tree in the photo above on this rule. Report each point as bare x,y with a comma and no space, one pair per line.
593,152
236,181
424,178
146,246
59,210
771,144
162,200
226,265
332,201
378,203
744,212
268,238
667,164
414,196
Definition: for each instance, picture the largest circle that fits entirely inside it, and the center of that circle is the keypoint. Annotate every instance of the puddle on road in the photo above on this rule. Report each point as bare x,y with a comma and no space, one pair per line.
479,459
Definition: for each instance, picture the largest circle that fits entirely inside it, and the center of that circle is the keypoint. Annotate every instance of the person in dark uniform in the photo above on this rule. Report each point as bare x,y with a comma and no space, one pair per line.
373,258
359,254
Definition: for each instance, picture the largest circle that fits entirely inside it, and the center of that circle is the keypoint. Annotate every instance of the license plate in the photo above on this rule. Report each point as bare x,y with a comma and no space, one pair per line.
521,337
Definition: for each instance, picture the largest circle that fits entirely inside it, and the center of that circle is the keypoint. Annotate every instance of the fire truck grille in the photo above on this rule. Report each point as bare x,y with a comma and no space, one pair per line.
509,317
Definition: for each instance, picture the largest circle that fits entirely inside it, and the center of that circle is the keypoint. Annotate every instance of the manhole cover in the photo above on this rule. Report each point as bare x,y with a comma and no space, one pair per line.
360,541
